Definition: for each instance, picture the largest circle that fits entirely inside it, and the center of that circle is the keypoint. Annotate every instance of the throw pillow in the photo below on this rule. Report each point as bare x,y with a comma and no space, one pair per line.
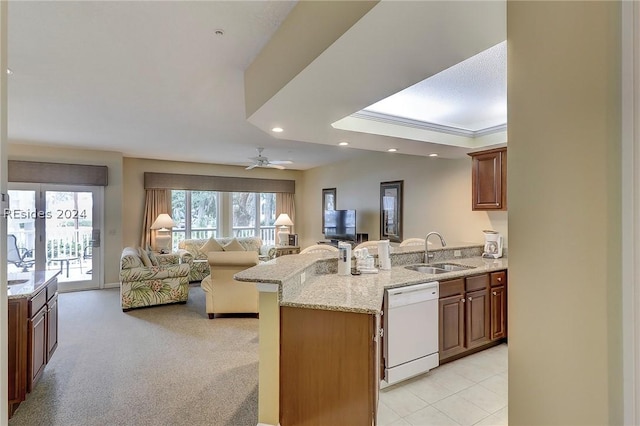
211,245
145,258
152,257
234,245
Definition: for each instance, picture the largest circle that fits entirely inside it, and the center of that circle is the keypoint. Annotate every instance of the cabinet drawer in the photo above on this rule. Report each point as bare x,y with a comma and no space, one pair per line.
479,282
451,288
52,288
498,278
37,302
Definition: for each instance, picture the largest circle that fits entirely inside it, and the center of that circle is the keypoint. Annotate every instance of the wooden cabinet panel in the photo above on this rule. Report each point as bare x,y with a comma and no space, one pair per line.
489,179
52,325
498,312
328,367
477,312
451,287
37,347
477,282
17,356
451,325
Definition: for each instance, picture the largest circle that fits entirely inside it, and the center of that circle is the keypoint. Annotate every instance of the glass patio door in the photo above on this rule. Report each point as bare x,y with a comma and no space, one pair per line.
59,228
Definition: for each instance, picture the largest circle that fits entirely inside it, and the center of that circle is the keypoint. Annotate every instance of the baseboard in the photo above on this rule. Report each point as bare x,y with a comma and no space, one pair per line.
111,285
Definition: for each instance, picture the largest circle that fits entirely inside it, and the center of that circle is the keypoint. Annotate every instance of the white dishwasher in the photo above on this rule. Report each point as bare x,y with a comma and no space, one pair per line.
410,331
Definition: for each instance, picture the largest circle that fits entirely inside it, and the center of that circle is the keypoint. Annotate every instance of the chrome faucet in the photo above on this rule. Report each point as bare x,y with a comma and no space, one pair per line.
428,256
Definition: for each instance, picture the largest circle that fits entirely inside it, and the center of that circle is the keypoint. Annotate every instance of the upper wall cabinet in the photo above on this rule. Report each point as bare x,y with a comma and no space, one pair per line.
489,179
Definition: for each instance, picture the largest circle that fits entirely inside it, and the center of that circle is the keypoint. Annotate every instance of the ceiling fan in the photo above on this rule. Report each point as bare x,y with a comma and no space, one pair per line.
262,161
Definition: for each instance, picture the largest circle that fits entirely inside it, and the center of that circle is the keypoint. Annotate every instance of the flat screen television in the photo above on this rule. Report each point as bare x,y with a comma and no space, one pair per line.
340,225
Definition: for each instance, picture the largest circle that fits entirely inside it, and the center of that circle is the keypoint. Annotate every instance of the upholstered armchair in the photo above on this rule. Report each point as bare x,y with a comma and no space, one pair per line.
224,294
143,283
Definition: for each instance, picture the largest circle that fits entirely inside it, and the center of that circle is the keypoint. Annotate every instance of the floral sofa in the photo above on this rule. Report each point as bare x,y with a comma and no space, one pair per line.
148,280
191,252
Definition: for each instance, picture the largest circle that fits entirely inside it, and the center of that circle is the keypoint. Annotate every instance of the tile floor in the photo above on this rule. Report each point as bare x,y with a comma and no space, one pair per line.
468,391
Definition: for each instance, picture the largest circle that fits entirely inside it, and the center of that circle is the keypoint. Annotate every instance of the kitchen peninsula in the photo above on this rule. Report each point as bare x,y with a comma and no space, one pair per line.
320,332
33,329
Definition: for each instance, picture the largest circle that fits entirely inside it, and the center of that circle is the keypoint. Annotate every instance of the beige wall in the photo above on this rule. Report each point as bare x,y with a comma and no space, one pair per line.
112,233
133,194
437,196
565,350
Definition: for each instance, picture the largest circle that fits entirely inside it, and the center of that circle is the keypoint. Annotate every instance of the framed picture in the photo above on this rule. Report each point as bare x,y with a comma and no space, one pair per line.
391,210
328,202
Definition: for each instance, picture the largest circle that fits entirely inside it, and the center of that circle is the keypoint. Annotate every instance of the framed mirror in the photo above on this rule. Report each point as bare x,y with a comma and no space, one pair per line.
391,210
328,202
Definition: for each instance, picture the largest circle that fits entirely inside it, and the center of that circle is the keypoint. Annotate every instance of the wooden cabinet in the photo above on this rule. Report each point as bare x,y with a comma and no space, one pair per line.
498,305
329,364
472,314
33,338
451,318
489,180
17,345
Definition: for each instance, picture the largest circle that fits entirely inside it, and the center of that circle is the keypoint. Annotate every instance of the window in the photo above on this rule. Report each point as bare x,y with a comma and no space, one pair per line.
253,215
195,213
201,214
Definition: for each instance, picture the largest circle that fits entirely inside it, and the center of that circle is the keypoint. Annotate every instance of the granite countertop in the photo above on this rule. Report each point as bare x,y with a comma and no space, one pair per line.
27,284
352,293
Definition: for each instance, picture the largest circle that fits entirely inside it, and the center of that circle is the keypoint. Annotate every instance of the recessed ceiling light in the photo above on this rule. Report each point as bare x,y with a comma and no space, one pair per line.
9,72
392,149
433,155
343,143
219,32
277,130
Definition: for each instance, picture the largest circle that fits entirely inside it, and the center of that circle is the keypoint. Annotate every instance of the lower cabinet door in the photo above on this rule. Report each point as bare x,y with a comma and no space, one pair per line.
451,329
52,326
478,318
498,312
37,347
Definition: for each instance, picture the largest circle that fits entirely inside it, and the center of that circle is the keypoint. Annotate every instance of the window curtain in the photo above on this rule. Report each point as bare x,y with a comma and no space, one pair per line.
285,204
157,201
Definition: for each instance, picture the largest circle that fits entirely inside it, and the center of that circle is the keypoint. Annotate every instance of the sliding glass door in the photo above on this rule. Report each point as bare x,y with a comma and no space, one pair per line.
57,228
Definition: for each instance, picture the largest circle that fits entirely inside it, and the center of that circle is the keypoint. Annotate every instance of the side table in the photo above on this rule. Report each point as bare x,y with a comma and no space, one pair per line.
285,250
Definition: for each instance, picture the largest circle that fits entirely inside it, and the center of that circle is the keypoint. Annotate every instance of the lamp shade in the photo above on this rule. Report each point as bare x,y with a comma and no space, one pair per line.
283,220
163,221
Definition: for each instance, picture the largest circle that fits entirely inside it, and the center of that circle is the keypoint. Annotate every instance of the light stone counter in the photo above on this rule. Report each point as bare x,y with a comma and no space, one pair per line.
27,284
322,288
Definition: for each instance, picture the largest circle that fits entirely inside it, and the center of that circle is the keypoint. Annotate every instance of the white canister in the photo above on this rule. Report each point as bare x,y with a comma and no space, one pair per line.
383,255
344,259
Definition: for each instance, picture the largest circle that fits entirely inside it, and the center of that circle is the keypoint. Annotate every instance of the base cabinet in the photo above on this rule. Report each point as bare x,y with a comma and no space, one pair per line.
328,367
472,314
33,338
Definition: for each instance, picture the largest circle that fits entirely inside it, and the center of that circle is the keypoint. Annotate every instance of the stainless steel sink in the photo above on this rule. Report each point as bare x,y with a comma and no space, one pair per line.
20,281
427,269
449,267
438,268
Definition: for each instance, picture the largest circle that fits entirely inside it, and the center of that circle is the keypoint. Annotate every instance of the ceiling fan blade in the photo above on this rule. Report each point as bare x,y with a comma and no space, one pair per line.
275,166
253,166
281,162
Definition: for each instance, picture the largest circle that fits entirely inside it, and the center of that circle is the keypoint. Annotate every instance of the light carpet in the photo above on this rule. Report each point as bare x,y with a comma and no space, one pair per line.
164,365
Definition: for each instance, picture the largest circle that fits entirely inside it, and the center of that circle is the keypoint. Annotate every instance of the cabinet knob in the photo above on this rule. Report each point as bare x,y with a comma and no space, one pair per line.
463,300
470,299
495,294
499,279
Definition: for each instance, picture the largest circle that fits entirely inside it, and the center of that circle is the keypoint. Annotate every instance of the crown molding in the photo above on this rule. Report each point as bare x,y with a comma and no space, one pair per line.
424,125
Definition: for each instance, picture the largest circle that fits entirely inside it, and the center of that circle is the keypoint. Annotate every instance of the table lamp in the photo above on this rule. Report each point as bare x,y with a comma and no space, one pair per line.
283,221
163,225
